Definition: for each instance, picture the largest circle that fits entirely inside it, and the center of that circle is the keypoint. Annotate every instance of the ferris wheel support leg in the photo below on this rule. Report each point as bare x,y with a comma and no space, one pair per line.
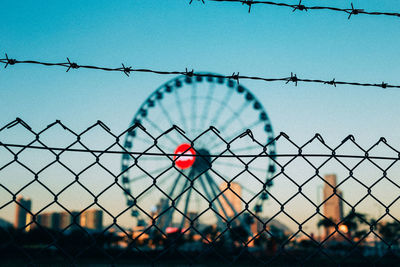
217,199
166,205
185,211
209,198
213,184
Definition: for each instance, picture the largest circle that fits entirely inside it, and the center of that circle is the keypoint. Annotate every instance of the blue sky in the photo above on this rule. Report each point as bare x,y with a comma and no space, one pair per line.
223,38
217,37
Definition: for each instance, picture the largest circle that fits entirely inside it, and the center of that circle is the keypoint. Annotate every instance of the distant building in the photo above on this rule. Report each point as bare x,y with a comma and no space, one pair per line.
192,216
159,208
274,227
65,220
5,224
21,212
92,219
56,221
333,207
258,226
234,201
45,220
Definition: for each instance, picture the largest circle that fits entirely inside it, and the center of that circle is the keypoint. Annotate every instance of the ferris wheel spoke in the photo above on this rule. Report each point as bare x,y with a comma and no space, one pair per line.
166,113
235,212
155,126
206,108
170,194
193,108
240,166
235,114
137,178
247,148
251,192
232,136
216,198
212,183
178,102
222,106
170,212
185,211
137,138
209,198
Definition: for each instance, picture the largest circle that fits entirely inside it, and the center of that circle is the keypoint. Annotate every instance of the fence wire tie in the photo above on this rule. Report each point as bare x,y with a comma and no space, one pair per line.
280,135
191,1
212,128
175,127
349,137
319,137
103,125
249,133
18,121
137,125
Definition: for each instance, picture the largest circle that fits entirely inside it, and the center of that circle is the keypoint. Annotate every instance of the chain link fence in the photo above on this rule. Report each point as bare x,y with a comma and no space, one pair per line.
91,198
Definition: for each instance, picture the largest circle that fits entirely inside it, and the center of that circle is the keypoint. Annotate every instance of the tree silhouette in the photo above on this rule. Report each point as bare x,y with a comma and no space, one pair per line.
353,221
239,235
390,232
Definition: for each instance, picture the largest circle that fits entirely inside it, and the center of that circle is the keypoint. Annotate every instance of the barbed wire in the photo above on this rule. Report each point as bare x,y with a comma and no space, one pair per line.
300,7
191,73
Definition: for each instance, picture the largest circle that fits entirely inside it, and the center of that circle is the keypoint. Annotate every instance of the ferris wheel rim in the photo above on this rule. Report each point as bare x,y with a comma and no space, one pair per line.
173,85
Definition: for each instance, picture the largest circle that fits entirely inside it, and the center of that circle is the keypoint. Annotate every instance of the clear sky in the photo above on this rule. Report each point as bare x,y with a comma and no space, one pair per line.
217,37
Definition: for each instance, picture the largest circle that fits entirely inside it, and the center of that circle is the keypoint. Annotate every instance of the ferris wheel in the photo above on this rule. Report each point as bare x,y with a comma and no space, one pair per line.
191,188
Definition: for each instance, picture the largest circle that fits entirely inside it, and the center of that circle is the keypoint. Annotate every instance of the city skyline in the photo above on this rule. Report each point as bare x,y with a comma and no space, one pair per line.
92,219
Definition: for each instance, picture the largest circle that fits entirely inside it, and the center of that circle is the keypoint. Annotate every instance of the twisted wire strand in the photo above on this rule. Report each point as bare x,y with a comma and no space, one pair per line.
293,78
300,7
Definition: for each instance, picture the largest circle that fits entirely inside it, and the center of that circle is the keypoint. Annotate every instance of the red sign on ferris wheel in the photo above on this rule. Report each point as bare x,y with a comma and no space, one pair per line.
188,156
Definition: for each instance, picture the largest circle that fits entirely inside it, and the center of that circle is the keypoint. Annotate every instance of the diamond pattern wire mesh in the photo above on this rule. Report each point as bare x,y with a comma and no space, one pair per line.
75,214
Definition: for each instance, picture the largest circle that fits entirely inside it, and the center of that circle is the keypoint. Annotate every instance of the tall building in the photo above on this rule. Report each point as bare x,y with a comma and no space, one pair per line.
92,219
67,220
234,201
22,217
333,207
56,221
45,220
